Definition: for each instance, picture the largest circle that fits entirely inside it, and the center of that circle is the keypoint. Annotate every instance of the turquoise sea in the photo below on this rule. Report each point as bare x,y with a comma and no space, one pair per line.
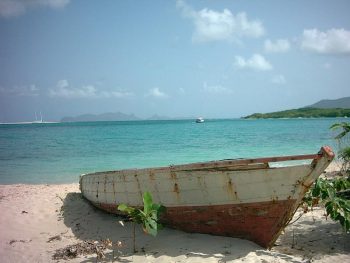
60,152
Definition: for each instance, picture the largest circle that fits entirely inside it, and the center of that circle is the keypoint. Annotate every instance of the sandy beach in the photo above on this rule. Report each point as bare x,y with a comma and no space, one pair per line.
38,220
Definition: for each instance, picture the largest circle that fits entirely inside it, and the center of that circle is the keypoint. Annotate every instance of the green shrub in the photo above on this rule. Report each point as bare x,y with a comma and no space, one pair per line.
330,193
334,193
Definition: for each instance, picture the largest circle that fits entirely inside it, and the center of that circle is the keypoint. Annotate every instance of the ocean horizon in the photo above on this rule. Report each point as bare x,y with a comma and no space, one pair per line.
60,152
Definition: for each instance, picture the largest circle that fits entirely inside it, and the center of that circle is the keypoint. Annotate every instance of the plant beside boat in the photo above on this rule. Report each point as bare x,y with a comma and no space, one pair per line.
334,193
328,192
148,217
344,145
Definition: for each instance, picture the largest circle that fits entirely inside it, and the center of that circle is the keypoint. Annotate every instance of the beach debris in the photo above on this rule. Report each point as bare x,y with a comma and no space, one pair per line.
54,238
21,241
88,247
24,212
60,198
83,248
110,245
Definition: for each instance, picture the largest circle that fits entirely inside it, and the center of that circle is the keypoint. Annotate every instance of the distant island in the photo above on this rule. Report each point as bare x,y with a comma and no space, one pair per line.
110,116
324,108
117,116
302,113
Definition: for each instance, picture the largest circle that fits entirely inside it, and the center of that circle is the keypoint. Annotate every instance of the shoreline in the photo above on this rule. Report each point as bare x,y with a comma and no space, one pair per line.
39,219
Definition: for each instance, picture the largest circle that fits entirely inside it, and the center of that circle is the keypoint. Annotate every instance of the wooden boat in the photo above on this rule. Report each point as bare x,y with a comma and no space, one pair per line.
244,198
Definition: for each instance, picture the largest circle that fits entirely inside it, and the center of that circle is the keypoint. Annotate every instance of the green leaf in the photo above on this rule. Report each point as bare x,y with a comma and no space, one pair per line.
137,216
125,208
147,202
341,220
329,210
148,216
159,226
151,224
347,225
343,125
159,208
316,189
346,207
331,193
122,207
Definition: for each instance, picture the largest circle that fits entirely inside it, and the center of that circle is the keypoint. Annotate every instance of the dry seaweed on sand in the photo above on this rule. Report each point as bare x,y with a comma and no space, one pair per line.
88,247
82,248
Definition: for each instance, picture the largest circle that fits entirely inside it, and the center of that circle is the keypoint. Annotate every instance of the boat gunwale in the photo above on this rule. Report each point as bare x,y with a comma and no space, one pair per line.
325,151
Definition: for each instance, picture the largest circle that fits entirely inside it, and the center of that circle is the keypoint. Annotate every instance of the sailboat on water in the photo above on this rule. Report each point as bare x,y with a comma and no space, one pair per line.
36,118
37,121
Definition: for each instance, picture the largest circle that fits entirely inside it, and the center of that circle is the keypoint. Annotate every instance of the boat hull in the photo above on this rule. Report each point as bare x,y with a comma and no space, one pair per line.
239,198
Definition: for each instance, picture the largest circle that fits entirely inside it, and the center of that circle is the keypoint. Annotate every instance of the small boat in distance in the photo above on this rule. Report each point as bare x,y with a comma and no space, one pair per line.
243,198
199,120
36,119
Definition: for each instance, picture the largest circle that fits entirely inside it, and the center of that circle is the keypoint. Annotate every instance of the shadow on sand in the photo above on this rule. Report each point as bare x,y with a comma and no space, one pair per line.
89,223
313,238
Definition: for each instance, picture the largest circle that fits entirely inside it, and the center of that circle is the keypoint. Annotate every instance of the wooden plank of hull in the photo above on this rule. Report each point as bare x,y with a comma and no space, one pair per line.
198,187
196,199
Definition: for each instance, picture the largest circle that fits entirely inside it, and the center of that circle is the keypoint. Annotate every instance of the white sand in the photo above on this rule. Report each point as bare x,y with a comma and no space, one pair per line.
32,214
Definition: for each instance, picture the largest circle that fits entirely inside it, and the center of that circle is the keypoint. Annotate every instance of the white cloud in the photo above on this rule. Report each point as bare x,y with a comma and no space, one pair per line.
327,65
30,90
64,90
278,79
333,41
216,89
119,94
155,92
10,8
279,46
182,91
212,25
256,62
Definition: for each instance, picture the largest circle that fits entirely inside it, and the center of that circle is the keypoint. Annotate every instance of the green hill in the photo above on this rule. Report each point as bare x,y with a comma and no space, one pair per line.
343,103
307,112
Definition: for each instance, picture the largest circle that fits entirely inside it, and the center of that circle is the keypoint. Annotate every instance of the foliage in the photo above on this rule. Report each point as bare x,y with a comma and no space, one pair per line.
344,152
334,193
302,113
148,217
345,126
330,193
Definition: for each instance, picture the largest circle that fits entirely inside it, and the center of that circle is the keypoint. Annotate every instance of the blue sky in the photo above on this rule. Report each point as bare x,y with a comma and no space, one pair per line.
216,59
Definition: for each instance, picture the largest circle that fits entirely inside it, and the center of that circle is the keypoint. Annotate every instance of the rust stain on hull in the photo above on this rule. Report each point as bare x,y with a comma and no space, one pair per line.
138,185
176,188
231,190
177,192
